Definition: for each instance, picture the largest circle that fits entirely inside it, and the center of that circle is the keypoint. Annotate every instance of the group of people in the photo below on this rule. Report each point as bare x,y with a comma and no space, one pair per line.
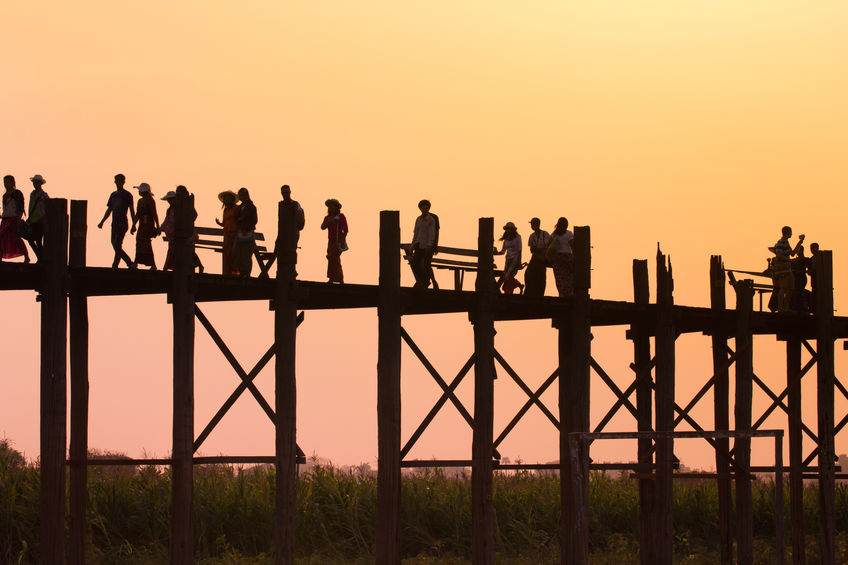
20,223
789,269
546,250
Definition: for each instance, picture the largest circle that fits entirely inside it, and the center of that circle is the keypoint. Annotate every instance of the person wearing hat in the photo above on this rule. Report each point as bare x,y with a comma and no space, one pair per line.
119,203
37,214
537,270
561,257
148,227
11,244
246,220
336,225
229,226
512,248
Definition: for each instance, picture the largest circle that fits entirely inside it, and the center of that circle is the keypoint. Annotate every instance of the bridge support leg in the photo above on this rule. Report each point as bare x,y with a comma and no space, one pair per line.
665,368
482,507
78,317
721,404
182,472
644,407
285,331
742,445
54,330
796,456
575,351
823,263
388,393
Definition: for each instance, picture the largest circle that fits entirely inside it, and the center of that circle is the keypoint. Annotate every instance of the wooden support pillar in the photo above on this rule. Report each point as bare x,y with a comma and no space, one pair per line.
78,317
665,368
645,421
182,298
721,405
54,332
823,265
796,455
482,508
285,332
575,351
388,392
742,413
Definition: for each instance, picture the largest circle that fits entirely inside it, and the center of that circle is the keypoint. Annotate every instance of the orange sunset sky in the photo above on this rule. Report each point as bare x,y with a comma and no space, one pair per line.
702,125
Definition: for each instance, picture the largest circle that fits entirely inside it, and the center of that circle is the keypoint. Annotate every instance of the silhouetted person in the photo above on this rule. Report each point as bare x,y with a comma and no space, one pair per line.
300,219
169,227
537,270
811,269
784,281
229,227
800,295
424,239
336,225
148,227
120,202
561,256
11,244
37,214
246,219
511,246
182,190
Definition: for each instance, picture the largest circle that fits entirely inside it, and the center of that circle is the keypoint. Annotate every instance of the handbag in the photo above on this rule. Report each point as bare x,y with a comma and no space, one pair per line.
342,242
24,229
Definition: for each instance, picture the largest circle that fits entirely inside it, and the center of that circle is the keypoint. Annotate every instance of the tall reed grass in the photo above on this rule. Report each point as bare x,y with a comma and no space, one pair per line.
335,520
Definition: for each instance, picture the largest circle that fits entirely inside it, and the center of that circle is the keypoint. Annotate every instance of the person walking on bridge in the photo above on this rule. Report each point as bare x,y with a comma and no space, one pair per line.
11,244
424,238
537,270
148,227
120,202
37,215
336,225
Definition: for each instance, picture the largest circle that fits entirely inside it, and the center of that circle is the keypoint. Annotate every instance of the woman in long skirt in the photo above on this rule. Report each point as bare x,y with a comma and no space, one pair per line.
336,225
11,244
561,256
148,227
229,227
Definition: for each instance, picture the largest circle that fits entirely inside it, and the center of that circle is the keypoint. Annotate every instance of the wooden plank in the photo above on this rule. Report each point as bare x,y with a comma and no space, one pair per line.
182,472
482,508
388,543
721,412
574,344
285,333
645,420
78,340
796,455
54,329
664,420
823,265
742,416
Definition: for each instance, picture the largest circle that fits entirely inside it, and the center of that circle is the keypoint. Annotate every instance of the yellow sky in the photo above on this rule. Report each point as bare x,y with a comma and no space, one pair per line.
704,125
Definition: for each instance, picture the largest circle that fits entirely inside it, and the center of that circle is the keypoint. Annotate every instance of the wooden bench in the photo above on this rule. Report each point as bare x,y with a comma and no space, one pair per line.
213,238
759,288
458,267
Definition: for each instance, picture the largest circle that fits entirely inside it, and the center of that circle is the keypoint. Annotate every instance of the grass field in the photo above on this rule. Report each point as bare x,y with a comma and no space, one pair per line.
335,521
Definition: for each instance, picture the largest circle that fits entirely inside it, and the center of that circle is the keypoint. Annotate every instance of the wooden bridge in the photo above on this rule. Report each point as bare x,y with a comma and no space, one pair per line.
64,283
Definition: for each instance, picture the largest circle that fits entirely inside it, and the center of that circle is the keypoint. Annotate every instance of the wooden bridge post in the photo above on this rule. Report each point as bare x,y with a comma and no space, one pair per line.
482,508
54,330
665,373
575,351
796,455
640,336
388,392
823,264
182,298
721,404
742,445
285,333
78,317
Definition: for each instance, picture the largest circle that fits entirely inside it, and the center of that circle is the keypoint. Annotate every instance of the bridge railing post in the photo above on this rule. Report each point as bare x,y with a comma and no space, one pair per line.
823,265
742,445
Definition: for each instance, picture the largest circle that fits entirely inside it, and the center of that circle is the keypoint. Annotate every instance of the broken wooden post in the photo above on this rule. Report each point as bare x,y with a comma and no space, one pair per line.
665,367
823,265
54,330
388,392
796,455
641,337
482,508
182,298
575,352
78,339
742,417
285,333
721,407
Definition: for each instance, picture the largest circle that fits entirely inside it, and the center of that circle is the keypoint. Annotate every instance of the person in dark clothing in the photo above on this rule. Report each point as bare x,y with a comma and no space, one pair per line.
424,241
800,301
246,220
182,190
148,227
119,203
37,215
537,270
